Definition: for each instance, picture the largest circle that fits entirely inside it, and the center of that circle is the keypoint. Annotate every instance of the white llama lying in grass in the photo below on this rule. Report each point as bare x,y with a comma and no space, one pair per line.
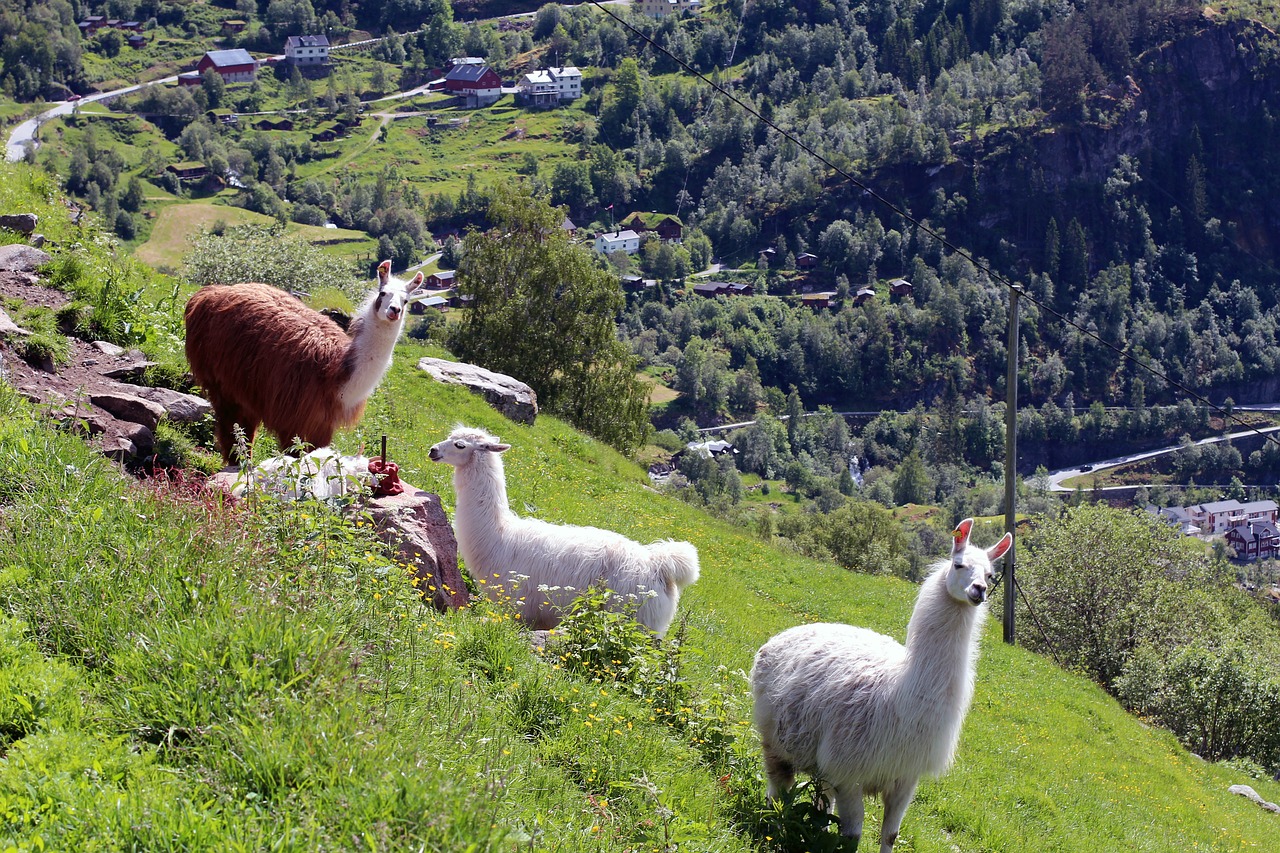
544,566
863,714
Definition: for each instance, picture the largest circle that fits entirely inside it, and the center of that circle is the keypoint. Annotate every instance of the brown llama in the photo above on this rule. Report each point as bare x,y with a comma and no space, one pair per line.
262,357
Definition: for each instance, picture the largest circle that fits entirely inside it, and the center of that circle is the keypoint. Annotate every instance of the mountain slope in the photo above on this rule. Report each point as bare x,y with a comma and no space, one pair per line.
274,673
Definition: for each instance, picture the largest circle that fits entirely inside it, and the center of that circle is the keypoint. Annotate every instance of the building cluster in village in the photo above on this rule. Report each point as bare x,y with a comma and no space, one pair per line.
1249,528
474,83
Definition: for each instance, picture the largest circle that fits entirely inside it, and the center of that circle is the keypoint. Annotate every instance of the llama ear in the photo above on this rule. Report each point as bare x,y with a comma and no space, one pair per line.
961,535
416,283
1001,548
384,272
496,447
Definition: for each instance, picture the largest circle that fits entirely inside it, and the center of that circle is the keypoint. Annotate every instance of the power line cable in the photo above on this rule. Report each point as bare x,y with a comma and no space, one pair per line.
998,277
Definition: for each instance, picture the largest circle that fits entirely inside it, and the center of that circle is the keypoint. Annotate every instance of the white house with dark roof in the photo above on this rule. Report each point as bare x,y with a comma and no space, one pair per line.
550,87
307,50
663,8
618,241
1220,516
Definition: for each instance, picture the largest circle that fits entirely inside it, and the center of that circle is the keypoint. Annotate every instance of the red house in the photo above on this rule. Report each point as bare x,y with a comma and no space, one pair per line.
1258,540
478,85
235,66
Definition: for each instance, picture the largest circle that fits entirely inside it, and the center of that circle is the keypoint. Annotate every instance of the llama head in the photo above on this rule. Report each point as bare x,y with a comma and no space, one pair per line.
970,573
463,444
392,298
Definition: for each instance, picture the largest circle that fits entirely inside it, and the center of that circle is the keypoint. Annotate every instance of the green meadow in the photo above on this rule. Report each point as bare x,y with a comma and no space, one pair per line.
180,672
185,673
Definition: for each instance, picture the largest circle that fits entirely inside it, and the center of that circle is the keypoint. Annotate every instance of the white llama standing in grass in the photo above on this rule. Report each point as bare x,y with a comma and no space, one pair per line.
544,566
862,713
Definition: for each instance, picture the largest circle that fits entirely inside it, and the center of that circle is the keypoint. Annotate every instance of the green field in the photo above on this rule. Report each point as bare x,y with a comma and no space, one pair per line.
440,154
176,222
268,671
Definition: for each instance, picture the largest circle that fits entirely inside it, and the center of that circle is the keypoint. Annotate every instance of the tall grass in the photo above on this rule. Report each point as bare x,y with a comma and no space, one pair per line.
184,673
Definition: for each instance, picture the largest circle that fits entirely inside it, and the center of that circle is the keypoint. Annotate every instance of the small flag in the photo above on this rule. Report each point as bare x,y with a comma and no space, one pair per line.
610,207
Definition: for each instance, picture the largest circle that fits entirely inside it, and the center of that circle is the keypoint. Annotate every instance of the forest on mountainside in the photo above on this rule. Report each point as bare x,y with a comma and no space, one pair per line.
1113,158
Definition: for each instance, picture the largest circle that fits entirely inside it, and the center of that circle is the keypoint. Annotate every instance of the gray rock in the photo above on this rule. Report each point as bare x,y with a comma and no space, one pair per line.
23,223
183,408
414,528
20,258
127,442
107,348
132,372
128,407
511,397
1249,793
121,440
10,329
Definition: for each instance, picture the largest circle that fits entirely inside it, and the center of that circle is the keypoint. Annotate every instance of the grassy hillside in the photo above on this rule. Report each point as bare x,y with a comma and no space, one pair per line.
175,223
183,675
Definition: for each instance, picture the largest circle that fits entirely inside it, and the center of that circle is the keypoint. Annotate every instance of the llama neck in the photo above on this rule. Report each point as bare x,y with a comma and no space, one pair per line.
369,354
942,644
480,489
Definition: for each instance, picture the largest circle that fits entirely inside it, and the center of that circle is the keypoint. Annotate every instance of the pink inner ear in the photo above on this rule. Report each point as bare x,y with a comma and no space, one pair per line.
999,549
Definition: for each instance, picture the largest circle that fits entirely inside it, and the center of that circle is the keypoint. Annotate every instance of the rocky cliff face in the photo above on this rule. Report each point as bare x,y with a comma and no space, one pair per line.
1219,73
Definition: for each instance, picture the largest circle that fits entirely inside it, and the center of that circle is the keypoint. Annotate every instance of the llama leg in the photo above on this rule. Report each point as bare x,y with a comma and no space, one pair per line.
896,799
225,415
780,772
850,809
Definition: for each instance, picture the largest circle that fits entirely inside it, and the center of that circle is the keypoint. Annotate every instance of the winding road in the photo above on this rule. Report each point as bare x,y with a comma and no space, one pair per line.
1056,478
24,135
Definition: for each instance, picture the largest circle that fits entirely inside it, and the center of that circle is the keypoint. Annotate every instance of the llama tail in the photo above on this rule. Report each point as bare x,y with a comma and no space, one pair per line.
678,561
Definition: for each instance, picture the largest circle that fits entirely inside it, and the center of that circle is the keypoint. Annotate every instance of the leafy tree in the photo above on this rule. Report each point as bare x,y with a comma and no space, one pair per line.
266,254
543,310
1096,579
911,481
215,88
133,196
571,185
864,537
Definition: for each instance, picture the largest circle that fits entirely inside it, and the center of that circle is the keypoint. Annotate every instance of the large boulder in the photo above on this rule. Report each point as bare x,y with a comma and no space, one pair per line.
178,407
21,258
1248,793
23,223
511,397
121,440
413,527
128,407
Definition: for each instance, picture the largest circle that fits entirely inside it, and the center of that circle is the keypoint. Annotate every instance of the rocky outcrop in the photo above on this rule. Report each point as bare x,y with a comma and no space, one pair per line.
19,258
23,223
511,397
179,407
1250,794
1199,79
129,408
414,528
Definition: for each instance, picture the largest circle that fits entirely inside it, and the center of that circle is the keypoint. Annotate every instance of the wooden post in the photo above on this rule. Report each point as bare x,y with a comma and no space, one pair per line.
1010,458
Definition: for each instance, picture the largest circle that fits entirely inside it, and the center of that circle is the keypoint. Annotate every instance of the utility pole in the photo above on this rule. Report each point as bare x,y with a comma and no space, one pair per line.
1010,460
